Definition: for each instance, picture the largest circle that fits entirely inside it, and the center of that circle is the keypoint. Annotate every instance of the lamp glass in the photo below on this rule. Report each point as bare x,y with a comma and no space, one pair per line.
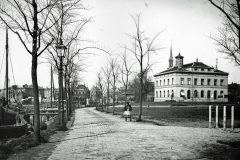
60,50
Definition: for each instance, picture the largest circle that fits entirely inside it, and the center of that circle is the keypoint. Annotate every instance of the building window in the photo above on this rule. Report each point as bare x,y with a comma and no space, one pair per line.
172,94
209,69
195,81
202,69
208,94
189,81
156,83
188,94
172,81
202,81
215,82
160,94
156,93
163,93
182,81
209,82
195,69
221,82
202,94
160,83
168,81
168,93
164,82
215,94
221,94
195,94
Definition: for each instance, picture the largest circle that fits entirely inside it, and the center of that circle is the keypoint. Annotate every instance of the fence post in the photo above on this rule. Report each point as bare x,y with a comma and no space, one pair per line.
224,117
210,117
232,118
217,116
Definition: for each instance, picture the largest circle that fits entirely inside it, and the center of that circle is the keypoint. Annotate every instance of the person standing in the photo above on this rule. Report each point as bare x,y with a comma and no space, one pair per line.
127,111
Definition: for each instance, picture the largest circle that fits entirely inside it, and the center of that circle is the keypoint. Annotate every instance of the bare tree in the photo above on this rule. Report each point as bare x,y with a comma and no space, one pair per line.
30,21
69,30
114,79
100,85
228,40
65,31
142,47
107,74
125,70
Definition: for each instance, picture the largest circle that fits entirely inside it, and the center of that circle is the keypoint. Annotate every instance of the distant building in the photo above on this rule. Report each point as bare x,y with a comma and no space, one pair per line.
95,94
234,92
47,94
190,82
81,93
21,91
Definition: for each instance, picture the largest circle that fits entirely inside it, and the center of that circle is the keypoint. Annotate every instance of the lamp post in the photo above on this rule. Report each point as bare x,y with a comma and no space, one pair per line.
60,51
66,91
69,95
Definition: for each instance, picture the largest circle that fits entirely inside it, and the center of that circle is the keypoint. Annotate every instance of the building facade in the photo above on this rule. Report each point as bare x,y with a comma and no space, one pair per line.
190,82
81,93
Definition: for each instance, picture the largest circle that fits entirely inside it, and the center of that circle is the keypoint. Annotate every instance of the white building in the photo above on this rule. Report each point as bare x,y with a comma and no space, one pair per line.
190,82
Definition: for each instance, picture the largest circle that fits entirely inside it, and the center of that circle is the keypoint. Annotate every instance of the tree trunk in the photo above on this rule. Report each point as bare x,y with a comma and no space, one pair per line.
107,98
36,100
113,100
141,86
102,101
34,74
69,97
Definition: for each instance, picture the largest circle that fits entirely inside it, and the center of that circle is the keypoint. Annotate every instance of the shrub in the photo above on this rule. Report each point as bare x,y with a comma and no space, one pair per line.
15,145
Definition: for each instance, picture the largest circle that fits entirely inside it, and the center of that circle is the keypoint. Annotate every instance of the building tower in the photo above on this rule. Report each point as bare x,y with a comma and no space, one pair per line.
179,60
171,58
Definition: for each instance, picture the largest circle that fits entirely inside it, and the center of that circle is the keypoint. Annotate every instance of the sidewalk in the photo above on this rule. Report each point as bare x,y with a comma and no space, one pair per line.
97,135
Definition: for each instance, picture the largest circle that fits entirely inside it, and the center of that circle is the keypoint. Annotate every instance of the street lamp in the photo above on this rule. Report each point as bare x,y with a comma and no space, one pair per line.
60,52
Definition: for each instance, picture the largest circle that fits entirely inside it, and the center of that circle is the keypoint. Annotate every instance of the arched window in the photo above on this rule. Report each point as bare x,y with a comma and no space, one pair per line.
160,94
168,93
215,94
163,93
208,94
195,93
221,93
157,83
188,94
172,94
202,94
156,93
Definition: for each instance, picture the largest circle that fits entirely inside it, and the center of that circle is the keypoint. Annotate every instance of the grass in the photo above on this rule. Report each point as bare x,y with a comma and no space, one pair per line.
181,116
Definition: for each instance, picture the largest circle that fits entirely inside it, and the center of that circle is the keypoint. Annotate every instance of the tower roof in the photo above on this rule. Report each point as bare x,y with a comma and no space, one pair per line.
171,57
179,56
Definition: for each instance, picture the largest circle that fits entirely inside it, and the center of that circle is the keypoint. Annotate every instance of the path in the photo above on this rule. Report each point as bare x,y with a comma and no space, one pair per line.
97,135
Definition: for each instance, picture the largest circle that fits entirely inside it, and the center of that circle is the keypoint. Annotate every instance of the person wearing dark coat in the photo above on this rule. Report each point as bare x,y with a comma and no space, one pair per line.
29,129
127,111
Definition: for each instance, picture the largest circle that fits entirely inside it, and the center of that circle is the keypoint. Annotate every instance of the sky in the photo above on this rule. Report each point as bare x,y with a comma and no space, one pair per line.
187,24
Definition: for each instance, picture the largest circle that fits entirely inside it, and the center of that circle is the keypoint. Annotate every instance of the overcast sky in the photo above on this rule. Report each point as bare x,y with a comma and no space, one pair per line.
187,23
